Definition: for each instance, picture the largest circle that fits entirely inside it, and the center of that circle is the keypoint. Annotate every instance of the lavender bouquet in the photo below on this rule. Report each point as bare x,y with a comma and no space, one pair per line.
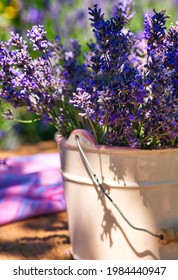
123,89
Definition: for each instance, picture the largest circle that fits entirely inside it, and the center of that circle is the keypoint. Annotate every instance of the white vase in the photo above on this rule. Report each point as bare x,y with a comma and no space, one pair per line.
144,185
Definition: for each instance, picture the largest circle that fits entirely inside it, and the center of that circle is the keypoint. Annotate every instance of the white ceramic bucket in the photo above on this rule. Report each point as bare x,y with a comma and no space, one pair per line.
143,183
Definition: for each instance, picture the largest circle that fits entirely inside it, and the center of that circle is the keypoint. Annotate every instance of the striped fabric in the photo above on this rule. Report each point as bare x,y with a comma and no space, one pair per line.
30,186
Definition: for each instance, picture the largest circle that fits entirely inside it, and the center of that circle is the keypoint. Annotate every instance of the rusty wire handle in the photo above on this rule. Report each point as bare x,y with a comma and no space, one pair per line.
96,181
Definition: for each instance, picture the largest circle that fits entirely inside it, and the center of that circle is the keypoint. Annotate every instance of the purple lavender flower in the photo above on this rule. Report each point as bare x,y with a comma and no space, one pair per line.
2,134
37,36
155,29
40,83
175,3
34,16
123,8
123,90
83,101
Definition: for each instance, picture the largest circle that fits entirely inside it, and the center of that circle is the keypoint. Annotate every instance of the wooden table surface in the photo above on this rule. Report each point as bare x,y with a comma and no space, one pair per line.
41,238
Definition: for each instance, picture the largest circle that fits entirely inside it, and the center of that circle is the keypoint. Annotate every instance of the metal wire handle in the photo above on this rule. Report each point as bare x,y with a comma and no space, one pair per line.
96,181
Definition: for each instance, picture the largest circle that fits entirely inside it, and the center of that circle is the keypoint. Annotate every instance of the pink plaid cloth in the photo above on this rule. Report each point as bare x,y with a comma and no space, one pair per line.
30,186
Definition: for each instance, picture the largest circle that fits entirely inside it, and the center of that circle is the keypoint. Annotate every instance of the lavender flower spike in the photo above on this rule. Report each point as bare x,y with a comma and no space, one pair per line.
38,38
123,92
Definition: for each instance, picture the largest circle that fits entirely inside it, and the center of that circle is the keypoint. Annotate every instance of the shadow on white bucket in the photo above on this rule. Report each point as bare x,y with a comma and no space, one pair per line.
143,184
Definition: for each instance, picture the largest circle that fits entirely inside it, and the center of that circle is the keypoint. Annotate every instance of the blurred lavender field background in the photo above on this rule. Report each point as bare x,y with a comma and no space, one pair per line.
66,19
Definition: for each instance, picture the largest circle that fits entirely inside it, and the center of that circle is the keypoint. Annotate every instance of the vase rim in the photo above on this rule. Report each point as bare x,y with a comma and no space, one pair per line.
94,147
